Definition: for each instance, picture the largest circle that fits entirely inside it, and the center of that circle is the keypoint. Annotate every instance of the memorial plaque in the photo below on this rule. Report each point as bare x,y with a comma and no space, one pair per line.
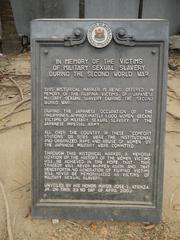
98,118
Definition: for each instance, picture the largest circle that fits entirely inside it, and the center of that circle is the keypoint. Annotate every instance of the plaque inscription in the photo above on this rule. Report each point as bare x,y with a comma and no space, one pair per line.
99,127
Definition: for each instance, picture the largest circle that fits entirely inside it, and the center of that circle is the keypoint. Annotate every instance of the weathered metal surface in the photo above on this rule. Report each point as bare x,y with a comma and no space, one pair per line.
111,9
98,118
163,9
25,11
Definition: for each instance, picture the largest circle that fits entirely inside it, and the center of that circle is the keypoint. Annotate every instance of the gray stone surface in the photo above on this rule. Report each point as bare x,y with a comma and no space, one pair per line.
164,9
25,11
152,9
111,9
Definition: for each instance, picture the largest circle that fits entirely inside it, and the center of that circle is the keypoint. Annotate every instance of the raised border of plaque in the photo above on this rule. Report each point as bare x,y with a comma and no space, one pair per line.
47,33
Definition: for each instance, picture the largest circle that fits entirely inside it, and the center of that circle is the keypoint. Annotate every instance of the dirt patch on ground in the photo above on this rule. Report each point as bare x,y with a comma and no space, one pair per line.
15,170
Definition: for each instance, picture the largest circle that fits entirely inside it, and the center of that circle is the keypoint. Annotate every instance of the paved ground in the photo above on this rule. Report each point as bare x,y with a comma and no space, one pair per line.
15,167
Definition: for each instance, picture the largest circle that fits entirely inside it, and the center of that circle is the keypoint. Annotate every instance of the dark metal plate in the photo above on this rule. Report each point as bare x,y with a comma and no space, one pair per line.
98,120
